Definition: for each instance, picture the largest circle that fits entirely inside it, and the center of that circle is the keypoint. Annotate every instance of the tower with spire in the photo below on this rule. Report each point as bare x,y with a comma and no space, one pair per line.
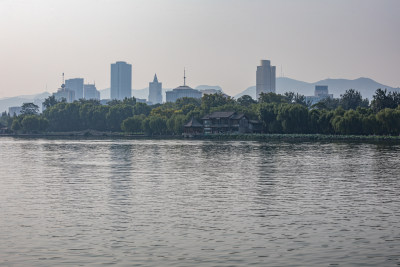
155,89
182,91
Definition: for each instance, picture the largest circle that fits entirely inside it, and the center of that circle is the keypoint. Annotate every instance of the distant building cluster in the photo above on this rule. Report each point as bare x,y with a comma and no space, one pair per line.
121,86
75,89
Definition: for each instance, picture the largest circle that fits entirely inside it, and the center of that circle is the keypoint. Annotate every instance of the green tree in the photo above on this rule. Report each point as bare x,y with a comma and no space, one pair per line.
272,98
351,99
267,113
116,115
293,117
133,124
327,103
157,125
29,109
175,124
296,98
30,123
131,101
246,101
141,108
209,101
382,100
181,102
389,120
350,122
16,125
50,101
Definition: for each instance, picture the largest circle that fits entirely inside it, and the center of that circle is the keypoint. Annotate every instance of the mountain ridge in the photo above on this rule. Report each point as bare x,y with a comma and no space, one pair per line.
337,87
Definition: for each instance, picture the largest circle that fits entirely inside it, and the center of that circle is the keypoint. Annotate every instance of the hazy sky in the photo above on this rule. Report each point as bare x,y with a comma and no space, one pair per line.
220,42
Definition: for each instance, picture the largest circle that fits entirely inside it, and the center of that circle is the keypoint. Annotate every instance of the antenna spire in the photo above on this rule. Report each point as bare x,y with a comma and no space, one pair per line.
63,84
184,77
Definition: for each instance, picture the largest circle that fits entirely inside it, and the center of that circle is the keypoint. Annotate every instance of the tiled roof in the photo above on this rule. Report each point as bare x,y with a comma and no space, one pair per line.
237,116
219,114
193,123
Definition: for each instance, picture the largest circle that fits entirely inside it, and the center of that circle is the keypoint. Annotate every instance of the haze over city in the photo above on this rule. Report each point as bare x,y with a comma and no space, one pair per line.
219,42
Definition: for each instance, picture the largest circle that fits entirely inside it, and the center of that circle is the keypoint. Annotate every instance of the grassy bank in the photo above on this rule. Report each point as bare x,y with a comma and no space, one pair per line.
238,137
300,137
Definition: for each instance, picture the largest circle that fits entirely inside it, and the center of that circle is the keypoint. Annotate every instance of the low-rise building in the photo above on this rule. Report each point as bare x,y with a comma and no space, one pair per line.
182,91
193,127
229,122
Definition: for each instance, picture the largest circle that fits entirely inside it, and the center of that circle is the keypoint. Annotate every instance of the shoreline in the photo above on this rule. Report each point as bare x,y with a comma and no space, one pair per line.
219,137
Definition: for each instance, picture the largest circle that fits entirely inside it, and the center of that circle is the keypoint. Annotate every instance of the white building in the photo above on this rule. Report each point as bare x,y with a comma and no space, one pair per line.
75,85
90,92
266,78
155,89
121,80
320,93
182,91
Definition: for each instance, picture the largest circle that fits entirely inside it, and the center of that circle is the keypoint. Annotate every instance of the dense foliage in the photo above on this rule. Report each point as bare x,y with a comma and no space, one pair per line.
288,113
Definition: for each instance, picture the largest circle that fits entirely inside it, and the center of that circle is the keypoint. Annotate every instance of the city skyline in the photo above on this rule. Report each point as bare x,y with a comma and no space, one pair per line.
219,42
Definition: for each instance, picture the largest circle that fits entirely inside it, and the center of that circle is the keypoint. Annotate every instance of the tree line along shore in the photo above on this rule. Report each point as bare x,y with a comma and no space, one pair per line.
279,114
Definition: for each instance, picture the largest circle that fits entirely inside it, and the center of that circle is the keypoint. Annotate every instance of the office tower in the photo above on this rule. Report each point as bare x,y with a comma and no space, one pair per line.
90,92
64,93
75,85
155,88
266,77
121,80
321,90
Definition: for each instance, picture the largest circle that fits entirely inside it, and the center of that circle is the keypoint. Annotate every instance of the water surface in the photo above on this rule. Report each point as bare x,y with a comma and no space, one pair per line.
198,203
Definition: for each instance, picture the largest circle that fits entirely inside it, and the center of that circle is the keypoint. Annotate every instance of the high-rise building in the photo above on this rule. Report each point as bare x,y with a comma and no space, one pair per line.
65,93
121,80
155,88
320,93
75,85
266,78
321,90
90,92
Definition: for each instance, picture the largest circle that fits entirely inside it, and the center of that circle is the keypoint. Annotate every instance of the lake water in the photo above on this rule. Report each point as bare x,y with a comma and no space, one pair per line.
198,203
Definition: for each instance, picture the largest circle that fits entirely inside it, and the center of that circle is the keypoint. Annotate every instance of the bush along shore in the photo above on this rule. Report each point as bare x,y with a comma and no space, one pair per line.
299,137
287,115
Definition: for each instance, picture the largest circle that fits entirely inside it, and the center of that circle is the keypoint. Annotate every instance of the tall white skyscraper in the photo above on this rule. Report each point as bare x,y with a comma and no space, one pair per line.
266,78
121,80
75,85
155,88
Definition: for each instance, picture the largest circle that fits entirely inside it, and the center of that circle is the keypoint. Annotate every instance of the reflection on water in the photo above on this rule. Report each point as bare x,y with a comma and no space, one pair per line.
191,203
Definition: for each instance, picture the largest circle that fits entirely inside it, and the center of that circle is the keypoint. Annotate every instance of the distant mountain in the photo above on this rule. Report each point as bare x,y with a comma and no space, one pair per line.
208,87
17,101
365,86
